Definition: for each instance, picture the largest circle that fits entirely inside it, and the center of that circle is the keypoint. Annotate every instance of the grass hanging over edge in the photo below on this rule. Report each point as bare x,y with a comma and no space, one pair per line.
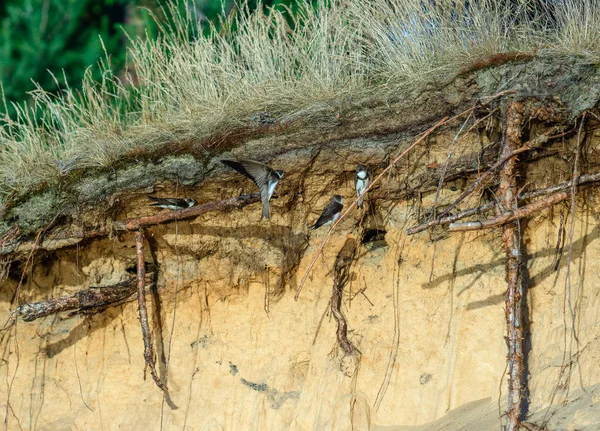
184,86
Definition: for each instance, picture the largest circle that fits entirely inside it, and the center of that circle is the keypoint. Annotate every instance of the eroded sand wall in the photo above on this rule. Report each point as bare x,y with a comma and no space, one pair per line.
243,355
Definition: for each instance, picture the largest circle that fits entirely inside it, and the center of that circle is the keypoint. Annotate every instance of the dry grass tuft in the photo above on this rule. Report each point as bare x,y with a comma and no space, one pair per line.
184,87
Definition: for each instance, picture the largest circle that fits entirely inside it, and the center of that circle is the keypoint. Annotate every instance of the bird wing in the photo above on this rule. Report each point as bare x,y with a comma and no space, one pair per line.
257,172
161,201
330,210
168,201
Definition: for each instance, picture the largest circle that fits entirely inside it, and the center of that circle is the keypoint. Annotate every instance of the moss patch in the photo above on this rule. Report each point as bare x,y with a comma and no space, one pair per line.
184,168
37,212
574,84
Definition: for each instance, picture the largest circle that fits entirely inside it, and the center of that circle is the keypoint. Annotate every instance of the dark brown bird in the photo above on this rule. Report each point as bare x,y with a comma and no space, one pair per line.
331,213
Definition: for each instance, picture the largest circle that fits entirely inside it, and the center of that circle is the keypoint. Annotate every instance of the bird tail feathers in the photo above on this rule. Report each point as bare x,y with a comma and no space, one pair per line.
266,213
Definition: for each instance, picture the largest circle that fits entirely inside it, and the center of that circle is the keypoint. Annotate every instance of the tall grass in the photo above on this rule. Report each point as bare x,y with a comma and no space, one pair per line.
183,86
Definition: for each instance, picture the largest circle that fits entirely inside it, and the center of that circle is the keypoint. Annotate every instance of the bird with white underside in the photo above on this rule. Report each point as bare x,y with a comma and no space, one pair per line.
172,203
361,182
331,213
265,178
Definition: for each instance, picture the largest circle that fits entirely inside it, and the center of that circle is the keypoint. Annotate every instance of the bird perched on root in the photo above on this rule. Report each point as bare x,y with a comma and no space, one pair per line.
361,182
331,213
263,176
172,203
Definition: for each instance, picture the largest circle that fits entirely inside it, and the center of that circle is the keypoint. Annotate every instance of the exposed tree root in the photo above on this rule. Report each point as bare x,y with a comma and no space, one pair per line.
511,237
423,136
375,181
486,177
341,268
85,301
529,426
439,188
534,143
166,216
141,294
451,218
72,237
582,180
35,245
511,215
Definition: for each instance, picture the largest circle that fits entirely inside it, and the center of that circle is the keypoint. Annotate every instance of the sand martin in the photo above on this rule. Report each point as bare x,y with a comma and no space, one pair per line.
264,177
331,212
172,203
361,182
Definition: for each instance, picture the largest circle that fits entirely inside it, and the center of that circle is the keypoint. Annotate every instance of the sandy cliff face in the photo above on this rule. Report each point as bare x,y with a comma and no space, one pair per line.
425,312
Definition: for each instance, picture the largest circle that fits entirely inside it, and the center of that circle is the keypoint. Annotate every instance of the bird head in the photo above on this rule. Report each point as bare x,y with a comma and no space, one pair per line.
279,173
338,198
361,171
191,202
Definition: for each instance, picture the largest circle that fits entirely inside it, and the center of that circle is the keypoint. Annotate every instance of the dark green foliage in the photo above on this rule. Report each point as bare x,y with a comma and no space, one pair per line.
57,36
48,41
